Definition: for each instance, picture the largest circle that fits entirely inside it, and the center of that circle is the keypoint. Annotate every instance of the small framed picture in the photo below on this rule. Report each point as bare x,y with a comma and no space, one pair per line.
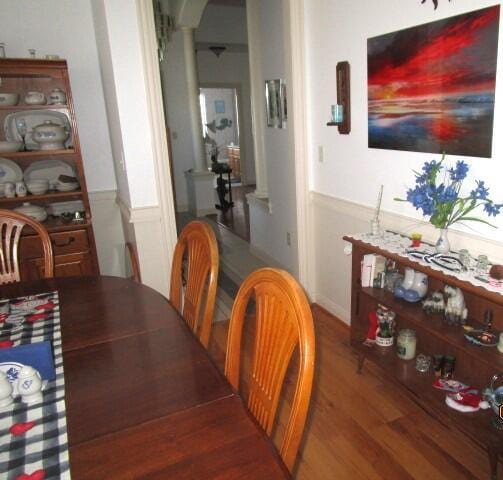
275,99
219,106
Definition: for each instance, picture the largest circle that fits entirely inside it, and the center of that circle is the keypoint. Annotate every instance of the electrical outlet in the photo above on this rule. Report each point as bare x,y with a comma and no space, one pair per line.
288,239
321,154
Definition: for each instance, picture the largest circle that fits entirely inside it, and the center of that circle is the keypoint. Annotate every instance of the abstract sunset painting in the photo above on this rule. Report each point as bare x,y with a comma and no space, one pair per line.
431,87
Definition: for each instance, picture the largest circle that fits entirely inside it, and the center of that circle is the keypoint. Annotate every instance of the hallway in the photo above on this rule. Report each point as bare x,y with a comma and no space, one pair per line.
237,218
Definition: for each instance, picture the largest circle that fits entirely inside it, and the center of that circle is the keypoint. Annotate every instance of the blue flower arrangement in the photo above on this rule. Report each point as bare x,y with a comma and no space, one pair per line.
442,202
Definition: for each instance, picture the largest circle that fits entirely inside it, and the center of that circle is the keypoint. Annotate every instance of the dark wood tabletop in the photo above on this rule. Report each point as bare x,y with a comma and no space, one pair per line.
143,398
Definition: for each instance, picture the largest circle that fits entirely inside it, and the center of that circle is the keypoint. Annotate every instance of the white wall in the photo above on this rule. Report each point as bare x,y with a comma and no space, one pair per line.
269,231
124,82
350,175
351,170
176,103
66,29
222,24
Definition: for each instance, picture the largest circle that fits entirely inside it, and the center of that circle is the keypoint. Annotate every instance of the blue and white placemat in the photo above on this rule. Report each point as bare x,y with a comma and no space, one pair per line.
33,438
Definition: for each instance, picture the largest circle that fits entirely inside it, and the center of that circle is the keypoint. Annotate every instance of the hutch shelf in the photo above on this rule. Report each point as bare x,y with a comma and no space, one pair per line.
73,243
475,365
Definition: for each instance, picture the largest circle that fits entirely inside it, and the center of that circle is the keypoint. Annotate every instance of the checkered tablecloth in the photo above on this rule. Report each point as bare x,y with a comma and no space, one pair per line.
42,450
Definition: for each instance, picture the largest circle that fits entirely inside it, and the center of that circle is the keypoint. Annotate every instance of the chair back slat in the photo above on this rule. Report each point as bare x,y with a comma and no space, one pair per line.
283,321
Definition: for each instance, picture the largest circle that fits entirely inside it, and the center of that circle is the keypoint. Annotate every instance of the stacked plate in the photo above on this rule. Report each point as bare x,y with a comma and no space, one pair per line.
49,170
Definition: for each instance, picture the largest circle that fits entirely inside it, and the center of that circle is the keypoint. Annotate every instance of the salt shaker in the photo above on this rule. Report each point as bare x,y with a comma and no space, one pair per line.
21,189
6,397
29,385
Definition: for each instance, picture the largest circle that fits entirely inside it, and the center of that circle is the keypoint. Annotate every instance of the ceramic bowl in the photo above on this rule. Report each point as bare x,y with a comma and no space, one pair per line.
9,99
33,211
6,147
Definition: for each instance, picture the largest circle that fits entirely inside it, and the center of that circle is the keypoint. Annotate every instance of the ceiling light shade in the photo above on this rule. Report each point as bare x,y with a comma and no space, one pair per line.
217,49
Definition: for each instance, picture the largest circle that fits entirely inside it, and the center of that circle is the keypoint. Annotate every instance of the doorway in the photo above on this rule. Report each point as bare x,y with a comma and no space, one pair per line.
220,124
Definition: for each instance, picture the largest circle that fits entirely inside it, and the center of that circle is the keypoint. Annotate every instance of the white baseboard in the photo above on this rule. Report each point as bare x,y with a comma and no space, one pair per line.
335,309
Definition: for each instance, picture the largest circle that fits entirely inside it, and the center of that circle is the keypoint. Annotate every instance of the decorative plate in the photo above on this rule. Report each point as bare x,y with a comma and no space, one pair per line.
482,338
10,171
18,122
11,369
50,170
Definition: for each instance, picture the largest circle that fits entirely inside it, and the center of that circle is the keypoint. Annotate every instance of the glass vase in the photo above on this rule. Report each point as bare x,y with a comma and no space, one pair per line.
443,245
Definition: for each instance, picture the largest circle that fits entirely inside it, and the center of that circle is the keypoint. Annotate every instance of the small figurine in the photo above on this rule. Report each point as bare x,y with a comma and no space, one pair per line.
455,310
434,303
386,326
371,332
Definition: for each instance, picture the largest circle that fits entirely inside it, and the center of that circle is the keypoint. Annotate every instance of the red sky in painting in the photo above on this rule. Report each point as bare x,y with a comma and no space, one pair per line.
445,62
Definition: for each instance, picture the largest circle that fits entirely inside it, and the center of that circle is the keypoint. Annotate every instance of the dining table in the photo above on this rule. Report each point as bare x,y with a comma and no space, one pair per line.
144,400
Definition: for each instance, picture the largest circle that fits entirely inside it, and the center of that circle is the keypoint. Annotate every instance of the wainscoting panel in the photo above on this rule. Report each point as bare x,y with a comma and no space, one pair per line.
332,218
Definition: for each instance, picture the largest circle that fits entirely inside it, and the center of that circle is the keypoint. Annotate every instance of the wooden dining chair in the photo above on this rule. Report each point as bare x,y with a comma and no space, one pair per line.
132,257
283,321
11,225
194,275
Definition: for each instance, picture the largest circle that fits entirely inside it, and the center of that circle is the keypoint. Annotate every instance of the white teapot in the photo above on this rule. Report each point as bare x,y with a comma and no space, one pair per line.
50,135
57,97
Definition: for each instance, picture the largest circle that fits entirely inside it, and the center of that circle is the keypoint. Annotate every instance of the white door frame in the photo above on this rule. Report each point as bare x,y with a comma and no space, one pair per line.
298,109
155,111
300,142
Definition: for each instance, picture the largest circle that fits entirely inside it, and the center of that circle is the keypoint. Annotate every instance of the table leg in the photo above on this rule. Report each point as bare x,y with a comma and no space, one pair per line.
493,462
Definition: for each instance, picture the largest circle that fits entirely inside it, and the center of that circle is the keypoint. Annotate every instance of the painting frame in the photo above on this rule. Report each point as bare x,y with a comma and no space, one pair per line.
431,87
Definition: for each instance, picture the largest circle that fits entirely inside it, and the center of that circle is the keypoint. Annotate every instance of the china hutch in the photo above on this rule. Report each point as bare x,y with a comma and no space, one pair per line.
71,233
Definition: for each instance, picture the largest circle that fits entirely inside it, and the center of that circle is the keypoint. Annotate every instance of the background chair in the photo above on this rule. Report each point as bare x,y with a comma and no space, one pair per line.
132,258
11,225
283,321
194,275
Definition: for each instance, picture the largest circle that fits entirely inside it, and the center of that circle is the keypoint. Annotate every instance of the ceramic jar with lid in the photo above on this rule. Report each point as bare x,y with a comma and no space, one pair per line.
57,97
406,344
50,135
32,211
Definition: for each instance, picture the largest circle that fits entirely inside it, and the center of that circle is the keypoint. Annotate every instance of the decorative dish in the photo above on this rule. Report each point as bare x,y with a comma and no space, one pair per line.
482,338
49,170
10,171
18,126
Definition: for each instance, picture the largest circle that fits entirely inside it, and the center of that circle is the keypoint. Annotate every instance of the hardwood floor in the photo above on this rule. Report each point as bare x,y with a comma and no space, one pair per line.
361,426
237,218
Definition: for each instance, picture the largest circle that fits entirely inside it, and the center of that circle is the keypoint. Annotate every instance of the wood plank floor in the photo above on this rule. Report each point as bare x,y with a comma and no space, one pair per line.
360,426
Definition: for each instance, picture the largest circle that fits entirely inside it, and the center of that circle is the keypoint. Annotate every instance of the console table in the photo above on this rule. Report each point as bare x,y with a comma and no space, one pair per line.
475,365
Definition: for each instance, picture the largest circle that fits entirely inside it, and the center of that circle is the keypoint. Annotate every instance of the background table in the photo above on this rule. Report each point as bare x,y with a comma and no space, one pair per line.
143,398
